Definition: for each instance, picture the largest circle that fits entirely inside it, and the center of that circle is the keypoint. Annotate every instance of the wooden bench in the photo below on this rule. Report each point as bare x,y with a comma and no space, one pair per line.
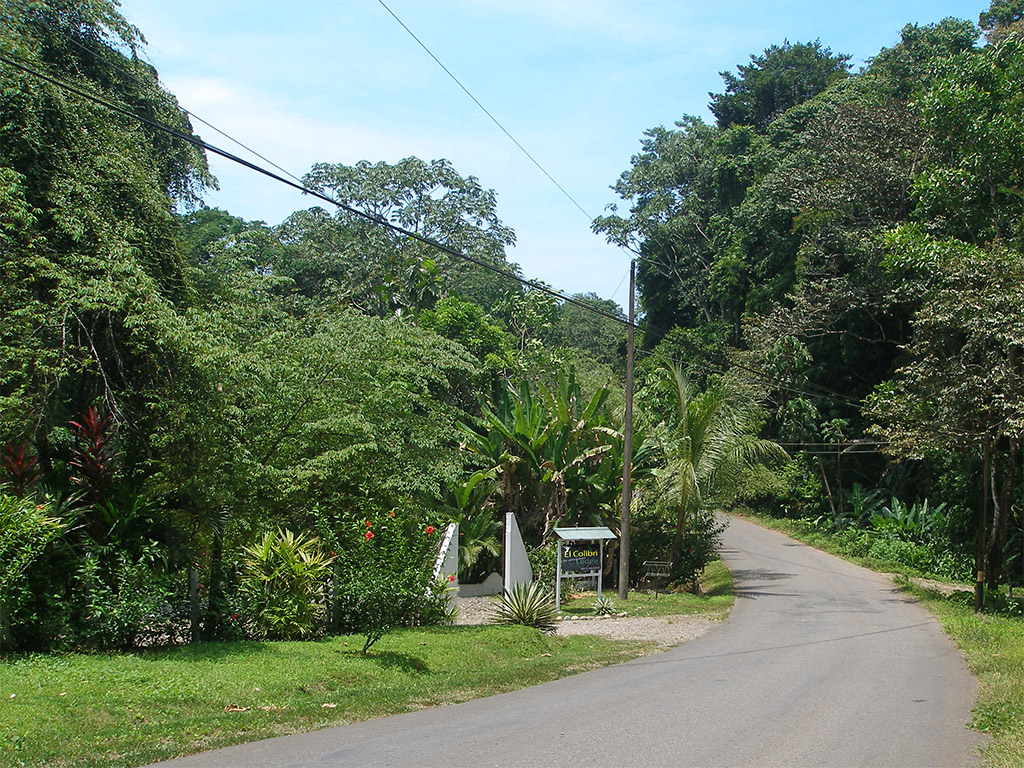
657,573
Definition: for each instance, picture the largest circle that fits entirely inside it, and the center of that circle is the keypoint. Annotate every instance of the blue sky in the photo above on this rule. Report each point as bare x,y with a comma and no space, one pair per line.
575,81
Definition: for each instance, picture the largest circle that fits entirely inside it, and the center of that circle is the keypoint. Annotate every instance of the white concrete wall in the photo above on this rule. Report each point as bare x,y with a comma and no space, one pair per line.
517,564
447,563
489,586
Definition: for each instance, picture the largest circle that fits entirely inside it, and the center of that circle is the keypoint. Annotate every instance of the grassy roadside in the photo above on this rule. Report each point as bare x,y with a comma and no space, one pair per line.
131,709
714,601
994,648
807,532
992,644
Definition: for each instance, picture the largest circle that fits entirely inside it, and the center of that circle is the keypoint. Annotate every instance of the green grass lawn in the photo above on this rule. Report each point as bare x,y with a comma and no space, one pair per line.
131,709
992,644
715,599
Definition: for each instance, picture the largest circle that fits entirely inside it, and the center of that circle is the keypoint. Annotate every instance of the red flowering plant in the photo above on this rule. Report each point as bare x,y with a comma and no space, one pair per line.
18,470
385,577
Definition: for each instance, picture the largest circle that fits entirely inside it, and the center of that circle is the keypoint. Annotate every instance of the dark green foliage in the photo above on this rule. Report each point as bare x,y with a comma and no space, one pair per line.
27,528
778,232
600,338
466,323
698,546
650,538
381,272
544,562
909,66
782,77
973,114
1002,19
556,458
116,597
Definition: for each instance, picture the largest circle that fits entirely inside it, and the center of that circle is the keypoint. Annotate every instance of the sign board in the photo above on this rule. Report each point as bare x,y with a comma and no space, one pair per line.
580,556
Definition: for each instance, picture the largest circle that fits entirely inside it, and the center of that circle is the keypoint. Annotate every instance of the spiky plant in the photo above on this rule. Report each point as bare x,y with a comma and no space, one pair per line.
283,576
603,606
20,469
531,605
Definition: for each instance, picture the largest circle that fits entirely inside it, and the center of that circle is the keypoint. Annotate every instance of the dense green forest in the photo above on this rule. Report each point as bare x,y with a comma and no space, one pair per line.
215,428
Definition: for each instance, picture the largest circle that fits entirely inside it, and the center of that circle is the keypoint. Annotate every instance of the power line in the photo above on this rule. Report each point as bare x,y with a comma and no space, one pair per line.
173,103
486,112
204,145
616,291
512,138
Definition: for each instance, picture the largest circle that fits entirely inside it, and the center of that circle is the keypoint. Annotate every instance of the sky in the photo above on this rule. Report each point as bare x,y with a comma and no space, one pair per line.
576,82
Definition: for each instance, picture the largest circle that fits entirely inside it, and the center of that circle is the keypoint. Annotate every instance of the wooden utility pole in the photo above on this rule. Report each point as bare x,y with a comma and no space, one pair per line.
627,448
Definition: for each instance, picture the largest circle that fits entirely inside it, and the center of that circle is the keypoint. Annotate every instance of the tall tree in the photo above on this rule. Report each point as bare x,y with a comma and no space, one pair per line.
382,272
973,114
961,387
1004,18
781,77
98,263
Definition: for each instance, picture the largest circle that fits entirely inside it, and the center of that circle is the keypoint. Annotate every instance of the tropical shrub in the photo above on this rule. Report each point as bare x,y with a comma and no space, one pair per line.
701,538
117,597
650,535
708,444
915,523
603,606
26,529
544,562
18,470
284,578
531,605
385,578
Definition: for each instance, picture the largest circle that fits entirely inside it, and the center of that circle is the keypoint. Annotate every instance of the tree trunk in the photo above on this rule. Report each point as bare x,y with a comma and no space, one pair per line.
676,550
193,604
215,607
981,549
6,639
828,488
839,481
1001,500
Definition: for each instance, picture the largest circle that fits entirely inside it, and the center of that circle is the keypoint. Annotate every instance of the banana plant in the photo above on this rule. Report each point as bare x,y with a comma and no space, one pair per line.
479,530
547,450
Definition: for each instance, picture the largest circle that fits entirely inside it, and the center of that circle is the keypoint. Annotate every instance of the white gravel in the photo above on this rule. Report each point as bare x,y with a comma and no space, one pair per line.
666,631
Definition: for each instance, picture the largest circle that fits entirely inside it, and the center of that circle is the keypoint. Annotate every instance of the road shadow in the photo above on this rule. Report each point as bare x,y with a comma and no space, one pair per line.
666,659
748,582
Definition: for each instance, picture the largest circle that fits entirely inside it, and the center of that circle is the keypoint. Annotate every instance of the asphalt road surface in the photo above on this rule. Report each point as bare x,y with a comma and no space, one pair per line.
820,664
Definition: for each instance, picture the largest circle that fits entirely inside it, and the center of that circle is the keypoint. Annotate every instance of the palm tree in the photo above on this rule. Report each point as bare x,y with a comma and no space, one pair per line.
707,444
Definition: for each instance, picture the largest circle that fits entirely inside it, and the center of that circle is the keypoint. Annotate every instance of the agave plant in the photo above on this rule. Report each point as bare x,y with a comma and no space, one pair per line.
603,606
531,605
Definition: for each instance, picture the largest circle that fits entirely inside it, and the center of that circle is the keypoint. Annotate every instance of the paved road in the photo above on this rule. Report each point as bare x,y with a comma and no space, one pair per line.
821,664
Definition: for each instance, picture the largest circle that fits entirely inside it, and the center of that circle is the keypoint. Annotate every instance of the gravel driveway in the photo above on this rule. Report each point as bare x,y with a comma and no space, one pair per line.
666,631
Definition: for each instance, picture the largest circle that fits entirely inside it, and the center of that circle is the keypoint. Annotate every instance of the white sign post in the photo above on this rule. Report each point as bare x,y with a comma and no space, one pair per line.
579,558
